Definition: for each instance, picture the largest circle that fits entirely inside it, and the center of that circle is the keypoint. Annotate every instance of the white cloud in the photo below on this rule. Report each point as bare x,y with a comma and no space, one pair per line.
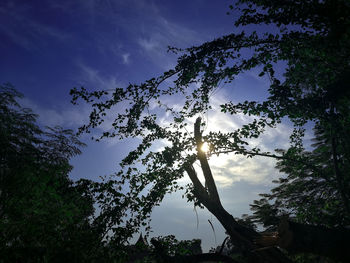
93,78
229,169
150,45
160,33
67,117
237,168
126,58
232,168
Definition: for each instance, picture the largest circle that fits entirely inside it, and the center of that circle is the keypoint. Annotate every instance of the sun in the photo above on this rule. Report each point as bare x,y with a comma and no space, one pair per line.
205,147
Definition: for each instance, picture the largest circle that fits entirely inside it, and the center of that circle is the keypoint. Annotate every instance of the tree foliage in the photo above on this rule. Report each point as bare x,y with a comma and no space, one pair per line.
43,214
311,192
309,42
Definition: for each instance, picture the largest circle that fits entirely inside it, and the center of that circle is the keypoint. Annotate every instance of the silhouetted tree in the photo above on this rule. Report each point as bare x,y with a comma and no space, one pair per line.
310,192
43,214
308,39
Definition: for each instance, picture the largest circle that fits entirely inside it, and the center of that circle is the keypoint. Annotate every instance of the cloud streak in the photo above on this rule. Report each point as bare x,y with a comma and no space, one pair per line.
90,76
161,33
24,31
68,117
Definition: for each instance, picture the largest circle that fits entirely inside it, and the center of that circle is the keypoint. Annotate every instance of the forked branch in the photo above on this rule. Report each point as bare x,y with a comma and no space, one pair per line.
209,180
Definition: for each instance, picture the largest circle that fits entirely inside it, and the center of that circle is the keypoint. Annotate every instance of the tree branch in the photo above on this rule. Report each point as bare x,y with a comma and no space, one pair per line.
302,238
198,187
279,157
209,180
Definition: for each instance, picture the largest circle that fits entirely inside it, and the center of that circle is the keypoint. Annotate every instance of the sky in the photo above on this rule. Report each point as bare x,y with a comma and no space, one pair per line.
48,47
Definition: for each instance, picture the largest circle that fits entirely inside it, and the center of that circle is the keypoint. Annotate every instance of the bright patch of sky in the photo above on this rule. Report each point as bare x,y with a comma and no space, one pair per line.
49,47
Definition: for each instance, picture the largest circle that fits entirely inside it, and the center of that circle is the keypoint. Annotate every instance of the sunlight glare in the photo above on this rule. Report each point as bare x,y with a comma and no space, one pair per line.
205,147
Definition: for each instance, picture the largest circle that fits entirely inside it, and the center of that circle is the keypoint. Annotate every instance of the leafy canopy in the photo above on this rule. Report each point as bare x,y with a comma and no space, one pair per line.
43,214
309,37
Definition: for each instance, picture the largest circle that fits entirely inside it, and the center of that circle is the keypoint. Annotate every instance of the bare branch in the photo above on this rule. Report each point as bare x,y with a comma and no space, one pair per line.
209,180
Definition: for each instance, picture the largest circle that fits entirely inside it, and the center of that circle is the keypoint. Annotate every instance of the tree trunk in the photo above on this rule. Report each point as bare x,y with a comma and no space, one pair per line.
241,236
301,238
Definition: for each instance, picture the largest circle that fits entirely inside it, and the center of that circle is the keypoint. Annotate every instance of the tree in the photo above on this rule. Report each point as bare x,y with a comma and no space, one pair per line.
43,214
311,37
309,194
312,243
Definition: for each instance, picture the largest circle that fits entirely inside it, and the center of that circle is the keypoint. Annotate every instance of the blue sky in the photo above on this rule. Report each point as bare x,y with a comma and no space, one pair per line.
48,47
